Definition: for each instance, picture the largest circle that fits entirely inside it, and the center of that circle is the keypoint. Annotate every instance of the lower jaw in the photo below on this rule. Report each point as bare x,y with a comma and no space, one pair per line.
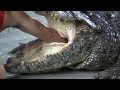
55,47
65,30
51,48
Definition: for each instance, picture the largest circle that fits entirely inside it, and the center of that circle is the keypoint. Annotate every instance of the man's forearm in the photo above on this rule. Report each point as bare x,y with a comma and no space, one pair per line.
25,23
35,28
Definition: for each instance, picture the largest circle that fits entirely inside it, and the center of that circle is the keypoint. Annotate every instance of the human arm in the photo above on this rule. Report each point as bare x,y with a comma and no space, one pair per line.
23,22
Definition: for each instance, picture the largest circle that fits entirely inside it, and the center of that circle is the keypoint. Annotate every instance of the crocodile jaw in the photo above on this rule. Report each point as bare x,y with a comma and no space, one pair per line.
50,56
65,30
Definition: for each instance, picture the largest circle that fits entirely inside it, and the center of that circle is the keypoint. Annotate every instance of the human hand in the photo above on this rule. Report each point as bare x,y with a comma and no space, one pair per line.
54,37
2,72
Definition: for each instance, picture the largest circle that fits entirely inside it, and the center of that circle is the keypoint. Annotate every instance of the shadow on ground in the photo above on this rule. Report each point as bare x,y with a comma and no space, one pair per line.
61,74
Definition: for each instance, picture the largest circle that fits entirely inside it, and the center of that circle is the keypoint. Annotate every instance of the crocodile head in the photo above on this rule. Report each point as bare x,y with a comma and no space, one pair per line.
42,57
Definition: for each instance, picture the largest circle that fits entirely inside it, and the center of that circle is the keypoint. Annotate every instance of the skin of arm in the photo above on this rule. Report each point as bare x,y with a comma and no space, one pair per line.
23,22
2,71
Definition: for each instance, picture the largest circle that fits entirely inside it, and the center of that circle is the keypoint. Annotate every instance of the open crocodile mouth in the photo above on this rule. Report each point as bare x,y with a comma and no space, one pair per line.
39,50
39,56
65,30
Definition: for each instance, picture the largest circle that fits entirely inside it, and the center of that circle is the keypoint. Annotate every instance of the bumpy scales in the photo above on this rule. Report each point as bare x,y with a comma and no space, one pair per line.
93,44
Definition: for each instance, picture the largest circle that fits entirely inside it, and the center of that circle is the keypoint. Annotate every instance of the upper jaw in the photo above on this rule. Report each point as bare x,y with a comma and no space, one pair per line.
65,29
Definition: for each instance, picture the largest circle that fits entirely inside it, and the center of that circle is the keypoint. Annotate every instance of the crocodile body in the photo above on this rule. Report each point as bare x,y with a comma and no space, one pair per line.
95,46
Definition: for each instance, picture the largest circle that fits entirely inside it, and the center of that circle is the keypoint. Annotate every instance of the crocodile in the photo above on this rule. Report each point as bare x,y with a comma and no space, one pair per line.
93,44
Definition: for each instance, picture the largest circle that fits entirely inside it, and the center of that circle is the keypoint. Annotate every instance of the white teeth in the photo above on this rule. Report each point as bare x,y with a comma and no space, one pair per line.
27,64
18,67
32,64
36,63
22,63
53,12
58,20
51,15
86,30
57,15
54,18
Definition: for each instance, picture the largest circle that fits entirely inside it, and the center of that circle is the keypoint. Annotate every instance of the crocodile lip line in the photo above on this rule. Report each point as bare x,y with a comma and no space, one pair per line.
38,56
65,30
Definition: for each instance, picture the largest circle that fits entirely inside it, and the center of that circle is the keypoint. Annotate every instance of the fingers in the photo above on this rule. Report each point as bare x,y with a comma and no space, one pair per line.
2,72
